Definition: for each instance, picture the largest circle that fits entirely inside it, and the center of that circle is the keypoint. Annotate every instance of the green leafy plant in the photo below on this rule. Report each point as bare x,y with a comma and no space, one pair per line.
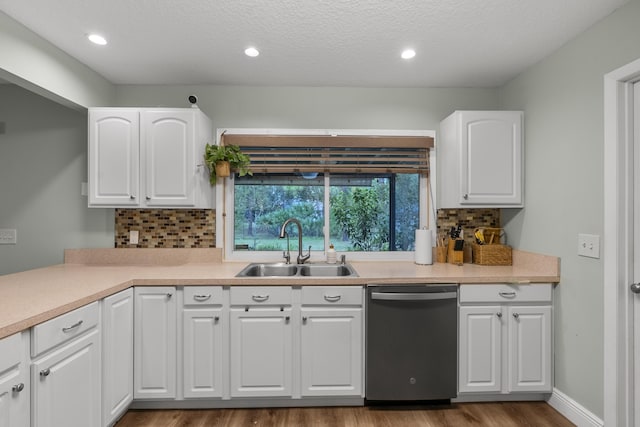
238,161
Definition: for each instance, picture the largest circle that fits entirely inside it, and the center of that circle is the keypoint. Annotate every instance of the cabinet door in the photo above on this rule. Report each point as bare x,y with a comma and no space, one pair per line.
202,352
491,158
66,385
261,352
480,358
530,348
155,342
114,143
168,139
117,350
14,382
331,352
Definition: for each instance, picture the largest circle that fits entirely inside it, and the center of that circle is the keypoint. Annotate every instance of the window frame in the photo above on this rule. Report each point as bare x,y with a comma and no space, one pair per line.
225,192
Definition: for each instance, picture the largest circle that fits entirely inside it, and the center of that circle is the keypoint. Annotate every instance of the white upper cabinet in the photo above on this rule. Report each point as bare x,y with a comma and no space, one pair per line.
114,146
148,158
480,160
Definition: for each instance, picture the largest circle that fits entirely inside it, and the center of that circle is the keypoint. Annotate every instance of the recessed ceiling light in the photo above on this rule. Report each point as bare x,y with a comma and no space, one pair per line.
408,54
252,52
97,39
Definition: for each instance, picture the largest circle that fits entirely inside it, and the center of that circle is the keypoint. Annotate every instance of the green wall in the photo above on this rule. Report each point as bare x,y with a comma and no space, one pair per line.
562,97
43,161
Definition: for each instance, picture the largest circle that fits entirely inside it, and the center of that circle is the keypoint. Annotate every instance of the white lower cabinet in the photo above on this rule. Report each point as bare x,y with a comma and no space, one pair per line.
203,324
505,341
65,378
14,381
331,341
155,345
261,352
117,350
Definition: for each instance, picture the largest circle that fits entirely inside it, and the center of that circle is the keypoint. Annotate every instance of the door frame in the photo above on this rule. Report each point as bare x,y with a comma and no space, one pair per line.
618,244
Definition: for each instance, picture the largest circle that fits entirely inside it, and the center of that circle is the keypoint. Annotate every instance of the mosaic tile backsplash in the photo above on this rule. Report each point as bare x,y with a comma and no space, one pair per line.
166,228
195,228
469,219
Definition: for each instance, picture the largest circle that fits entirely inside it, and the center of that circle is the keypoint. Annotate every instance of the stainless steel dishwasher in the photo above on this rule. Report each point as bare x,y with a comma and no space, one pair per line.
411,342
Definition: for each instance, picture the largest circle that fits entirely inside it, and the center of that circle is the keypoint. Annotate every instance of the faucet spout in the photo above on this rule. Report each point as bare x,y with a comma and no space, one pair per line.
301,258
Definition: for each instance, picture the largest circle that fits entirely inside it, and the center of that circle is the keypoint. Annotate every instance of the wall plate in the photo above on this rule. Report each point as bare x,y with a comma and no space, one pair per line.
589,245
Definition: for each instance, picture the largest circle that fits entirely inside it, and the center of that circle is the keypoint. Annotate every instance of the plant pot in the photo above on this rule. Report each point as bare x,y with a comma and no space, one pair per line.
223,169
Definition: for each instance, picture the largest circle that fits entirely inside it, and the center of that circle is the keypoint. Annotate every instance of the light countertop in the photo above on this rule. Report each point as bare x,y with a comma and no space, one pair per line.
35,296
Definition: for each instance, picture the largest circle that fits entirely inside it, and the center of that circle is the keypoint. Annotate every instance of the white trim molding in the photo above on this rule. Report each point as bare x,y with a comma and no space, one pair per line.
618,241
573,411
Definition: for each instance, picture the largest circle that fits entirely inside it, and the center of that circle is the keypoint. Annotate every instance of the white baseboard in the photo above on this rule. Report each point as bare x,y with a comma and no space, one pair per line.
573,411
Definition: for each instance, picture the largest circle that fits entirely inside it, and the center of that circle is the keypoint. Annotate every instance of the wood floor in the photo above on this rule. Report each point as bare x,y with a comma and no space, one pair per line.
503,414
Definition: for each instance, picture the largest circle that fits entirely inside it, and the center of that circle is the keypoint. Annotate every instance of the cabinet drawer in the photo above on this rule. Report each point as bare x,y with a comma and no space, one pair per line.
11,351
501,293
63,328
200,296
332,295
261,295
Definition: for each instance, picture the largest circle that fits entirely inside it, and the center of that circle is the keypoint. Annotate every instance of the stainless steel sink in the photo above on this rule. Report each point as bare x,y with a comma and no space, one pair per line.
302,270
268,270
326,270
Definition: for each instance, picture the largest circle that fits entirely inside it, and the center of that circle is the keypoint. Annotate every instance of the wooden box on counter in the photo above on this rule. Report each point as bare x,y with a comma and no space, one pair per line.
492,254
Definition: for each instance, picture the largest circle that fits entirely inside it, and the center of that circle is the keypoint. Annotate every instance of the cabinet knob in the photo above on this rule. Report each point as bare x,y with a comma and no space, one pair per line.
169,294
216,319
17,388
132,197
635,288
45,372
465,196
148,198
499,314
304,319
516,316
286,319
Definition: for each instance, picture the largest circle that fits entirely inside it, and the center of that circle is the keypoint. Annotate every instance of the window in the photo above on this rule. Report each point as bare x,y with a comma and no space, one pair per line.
372,207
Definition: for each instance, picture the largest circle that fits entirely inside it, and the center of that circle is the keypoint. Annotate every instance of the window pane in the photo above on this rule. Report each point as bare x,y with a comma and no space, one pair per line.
374,212
264,202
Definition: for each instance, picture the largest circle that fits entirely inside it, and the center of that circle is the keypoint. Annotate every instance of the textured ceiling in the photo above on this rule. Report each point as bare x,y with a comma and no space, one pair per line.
459,43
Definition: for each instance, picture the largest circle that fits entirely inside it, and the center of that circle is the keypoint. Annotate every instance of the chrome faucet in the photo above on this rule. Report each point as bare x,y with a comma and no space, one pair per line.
301,258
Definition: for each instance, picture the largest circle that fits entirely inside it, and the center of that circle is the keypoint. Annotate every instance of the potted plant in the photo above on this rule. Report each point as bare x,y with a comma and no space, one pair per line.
221,159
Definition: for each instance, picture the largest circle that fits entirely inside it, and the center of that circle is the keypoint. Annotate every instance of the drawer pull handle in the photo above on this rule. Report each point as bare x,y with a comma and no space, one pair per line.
499,315
332,298
202,297
260,298
17,388
507,294
45,372
72,327
516,316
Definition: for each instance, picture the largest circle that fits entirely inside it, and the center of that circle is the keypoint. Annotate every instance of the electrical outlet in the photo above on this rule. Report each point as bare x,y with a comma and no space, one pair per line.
589,245
8,236
133,237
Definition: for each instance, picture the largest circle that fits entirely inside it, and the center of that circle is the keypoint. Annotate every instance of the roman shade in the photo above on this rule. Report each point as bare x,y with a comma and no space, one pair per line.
334,153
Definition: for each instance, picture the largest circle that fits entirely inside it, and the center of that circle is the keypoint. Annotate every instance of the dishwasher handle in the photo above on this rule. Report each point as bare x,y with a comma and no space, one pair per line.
401,296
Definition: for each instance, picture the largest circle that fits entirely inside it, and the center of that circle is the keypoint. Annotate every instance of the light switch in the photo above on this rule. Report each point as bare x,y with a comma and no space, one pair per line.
589,245
8,236
133,237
